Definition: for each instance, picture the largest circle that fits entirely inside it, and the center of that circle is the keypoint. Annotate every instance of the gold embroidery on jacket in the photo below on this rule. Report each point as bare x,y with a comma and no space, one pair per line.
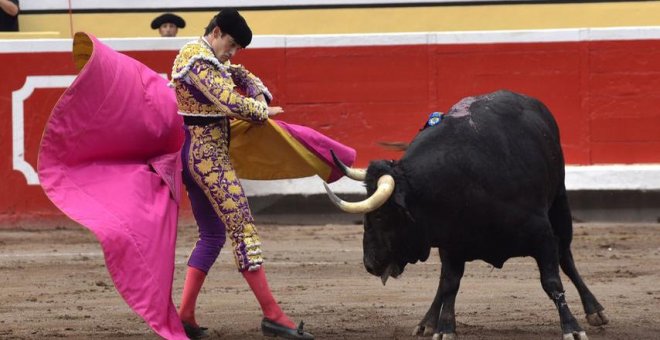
197,69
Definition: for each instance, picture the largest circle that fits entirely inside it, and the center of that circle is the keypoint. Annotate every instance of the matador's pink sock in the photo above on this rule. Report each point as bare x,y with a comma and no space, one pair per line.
259,285
191,287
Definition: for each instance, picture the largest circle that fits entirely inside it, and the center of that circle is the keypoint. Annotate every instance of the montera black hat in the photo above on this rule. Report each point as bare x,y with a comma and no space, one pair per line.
232,23
168,17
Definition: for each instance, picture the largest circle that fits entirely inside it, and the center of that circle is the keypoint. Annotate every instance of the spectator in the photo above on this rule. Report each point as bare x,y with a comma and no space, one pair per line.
9,15
168,24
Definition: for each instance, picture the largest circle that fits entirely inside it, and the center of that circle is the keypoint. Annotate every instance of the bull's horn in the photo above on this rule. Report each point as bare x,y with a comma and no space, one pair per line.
356,174
383,192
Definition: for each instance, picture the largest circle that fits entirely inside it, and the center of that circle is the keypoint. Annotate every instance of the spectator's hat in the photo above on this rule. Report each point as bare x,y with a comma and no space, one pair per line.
168,17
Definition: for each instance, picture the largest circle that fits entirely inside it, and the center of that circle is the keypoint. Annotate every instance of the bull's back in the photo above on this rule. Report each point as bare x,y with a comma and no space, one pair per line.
493,159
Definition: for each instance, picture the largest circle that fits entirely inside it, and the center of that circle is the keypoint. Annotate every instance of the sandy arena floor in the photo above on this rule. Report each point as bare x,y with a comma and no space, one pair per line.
55,285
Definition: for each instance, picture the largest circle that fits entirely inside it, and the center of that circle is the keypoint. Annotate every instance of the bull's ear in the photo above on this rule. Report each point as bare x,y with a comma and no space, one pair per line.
400,200
401,187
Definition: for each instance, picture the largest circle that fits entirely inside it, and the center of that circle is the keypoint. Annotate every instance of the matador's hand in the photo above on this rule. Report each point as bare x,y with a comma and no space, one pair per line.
274,110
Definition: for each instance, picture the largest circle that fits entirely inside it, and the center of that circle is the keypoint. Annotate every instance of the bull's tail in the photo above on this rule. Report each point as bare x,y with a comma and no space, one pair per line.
561,219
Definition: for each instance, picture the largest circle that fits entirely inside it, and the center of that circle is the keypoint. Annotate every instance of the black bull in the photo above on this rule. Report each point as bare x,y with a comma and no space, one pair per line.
486,183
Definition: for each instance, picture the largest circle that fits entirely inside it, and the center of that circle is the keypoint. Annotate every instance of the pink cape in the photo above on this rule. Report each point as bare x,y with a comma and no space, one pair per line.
109,159
105,137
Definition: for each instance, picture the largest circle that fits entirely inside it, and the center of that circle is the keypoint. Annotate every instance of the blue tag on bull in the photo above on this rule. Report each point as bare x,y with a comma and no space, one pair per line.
434,119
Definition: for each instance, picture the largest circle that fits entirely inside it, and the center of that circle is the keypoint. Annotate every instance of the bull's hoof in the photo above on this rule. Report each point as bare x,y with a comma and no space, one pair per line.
576,336
445,336
422,331
597,319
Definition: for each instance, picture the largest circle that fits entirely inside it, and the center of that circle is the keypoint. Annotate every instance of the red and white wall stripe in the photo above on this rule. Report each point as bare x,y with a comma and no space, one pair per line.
601,84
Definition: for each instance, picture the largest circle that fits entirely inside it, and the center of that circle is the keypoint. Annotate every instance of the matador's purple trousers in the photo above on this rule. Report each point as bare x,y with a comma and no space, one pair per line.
217,198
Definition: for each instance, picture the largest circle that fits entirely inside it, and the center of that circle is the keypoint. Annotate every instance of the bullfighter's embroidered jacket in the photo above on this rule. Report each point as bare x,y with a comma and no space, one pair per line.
206,87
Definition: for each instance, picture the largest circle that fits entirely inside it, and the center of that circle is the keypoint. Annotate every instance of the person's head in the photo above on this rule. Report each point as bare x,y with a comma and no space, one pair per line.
227,33
168,24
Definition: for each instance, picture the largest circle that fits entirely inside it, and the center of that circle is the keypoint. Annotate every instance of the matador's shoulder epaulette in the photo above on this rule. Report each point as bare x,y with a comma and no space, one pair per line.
189,54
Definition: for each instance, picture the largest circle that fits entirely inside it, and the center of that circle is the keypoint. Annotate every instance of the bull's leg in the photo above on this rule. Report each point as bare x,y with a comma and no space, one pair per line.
547,261
440,319
593,309
562,225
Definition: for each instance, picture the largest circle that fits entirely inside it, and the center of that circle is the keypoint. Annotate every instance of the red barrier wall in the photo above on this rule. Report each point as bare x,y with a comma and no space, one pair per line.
604,95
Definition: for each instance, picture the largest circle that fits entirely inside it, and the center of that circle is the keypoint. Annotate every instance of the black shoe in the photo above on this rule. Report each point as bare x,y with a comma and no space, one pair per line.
195,332
270,328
